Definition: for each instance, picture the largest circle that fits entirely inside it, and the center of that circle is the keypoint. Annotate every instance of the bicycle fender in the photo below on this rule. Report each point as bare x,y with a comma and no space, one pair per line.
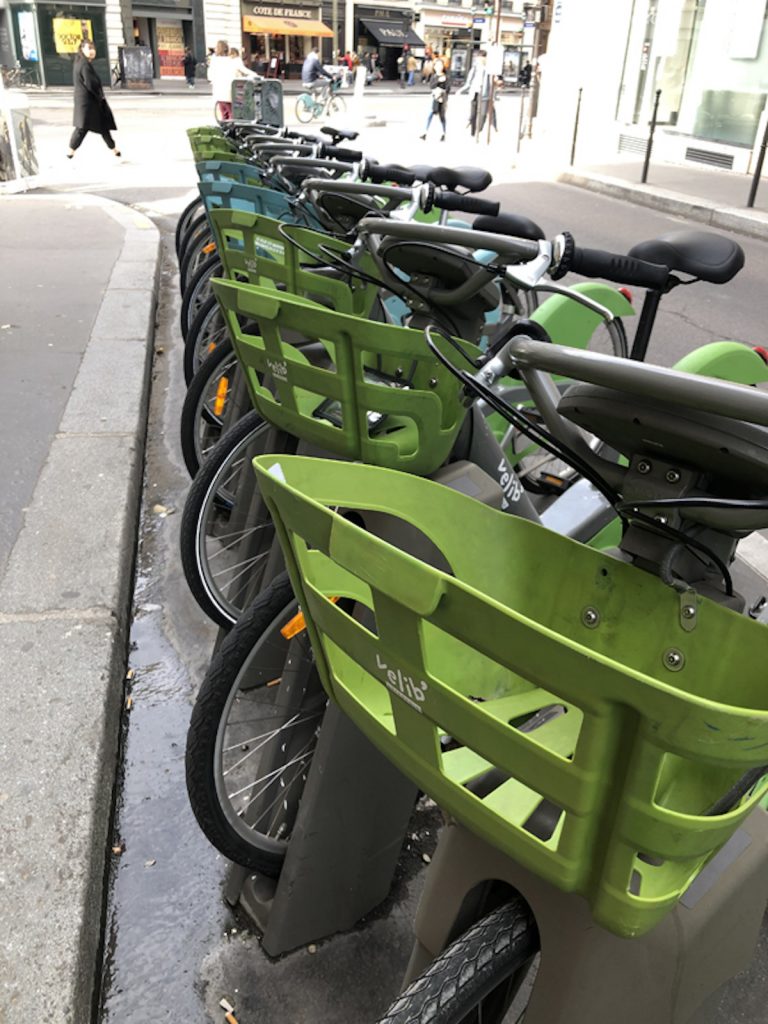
569,323
727,360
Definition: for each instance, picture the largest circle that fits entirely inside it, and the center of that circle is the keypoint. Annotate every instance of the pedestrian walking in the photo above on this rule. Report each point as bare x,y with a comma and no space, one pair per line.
241,71
411,65
189,64
439,94
222,71
92,112
479,85
402,66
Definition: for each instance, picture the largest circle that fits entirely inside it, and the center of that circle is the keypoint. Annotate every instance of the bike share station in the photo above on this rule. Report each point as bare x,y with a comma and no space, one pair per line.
350,827
355,807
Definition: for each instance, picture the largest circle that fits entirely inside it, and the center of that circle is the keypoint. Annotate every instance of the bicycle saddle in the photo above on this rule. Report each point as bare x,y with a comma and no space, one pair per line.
702,254
473,179
510,224
730,452
339,133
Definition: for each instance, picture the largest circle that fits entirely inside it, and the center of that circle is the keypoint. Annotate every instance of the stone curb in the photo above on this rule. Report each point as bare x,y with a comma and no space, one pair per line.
754,223
64,616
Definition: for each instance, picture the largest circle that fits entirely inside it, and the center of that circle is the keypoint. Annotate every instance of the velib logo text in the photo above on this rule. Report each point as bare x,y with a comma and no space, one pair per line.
412,691
512,489
278,368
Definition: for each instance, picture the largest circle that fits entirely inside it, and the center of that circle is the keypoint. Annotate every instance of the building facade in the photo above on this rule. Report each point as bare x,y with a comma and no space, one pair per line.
703,64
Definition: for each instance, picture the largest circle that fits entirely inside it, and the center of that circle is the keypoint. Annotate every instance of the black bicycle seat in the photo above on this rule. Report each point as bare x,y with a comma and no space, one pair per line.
702,254
729,451
510,224
473,179
340,133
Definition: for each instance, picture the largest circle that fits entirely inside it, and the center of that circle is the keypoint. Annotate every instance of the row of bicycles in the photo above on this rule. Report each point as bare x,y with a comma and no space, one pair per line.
441,490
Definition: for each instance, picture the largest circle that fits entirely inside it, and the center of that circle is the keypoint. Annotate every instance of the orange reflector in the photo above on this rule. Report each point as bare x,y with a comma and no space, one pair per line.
221,396
297,624
208,249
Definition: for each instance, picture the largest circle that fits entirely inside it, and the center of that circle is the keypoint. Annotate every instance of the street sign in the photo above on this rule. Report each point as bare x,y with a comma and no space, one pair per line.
478,21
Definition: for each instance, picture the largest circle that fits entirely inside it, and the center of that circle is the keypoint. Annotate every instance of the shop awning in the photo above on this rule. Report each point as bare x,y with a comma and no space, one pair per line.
285,26
389,33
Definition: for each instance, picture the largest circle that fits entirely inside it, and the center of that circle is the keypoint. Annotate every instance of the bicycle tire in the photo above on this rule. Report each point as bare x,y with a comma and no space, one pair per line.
201,422
207,332
244,725
475,978
198,291
223,551
198,225
305,109
190,211
337,105
196,253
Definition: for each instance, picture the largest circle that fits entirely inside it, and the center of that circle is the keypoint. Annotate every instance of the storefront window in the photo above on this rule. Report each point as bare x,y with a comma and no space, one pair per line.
708,59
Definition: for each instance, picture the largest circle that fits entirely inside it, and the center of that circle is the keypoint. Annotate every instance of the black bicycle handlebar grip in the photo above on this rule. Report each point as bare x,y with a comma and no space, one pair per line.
466,204
352,156
611,267
380,173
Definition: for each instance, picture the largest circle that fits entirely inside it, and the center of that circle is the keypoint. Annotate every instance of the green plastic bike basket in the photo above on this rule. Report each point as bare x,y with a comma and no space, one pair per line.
228,170
253,248
561,704
381,396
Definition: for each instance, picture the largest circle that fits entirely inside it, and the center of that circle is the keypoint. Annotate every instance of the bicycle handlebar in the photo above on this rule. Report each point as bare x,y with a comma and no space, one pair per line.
353,156
379,173
706,394
465,204
610,266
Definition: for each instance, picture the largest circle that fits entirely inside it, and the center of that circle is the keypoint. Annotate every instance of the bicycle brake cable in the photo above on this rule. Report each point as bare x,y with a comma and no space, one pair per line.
540,435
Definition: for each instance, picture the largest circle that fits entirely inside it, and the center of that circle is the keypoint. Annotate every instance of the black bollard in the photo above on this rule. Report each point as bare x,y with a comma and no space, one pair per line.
650,137
758,168
576,127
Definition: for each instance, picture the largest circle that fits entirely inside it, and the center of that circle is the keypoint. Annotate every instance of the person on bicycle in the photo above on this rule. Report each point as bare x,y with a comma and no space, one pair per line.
312,71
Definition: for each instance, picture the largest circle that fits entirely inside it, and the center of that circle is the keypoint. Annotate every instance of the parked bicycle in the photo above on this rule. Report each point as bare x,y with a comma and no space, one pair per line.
311,107
18,77
589,737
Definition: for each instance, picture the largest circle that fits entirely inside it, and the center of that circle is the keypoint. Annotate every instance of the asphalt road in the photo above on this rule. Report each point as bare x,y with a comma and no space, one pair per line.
171,950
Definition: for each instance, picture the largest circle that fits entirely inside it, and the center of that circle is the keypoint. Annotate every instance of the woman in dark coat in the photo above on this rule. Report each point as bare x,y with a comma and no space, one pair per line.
92,113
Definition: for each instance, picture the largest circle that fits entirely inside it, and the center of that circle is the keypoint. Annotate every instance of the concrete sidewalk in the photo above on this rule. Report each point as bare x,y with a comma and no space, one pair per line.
66,589
716,198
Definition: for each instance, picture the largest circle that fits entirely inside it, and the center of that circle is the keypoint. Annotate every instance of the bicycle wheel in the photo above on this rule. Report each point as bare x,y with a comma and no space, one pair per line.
197,225
202,413
198,291
207,332
226,532
474,980
252,734
201,248
305,108
188,214
336,105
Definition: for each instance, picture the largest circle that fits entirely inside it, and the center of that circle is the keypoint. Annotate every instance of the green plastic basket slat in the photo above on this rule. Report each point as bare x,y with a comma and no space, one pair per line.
228,170
651,749
422,419
249,243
